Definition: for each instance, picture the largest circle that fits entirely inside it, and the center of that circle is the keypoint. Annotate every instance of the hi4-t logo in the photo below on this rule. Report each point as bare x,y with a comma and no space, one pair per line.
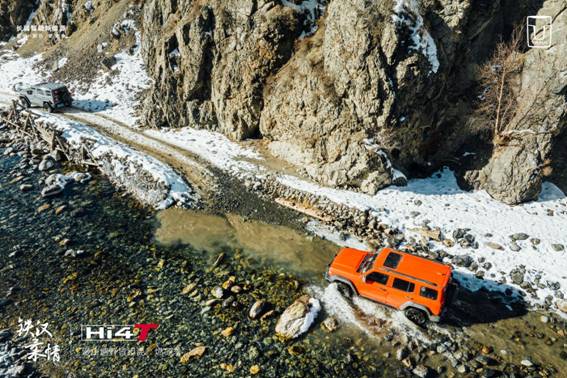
136,332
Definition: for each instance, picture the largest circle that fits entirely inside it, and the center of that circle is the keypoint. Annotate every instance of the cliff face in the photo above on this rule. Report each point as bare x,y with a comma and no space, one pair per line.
349,89
342,89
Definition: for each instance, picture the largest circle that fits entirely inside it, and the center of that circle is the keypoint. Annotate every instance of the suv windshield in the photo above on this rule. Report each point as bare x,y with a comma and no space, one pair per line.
367,262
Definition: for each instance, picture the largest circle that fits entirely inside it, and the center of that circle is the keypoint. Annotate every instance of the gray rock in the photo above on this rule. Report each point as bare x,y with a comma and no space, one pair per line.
298,317
519,236
421,371
514,246
52,190
46,164
558,247
527,362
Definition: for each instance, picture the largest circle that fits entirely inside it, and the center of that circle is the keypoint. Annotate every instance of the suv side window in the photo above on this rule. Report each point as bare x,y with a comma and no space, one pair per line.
393,260
403,285
377,277
428,293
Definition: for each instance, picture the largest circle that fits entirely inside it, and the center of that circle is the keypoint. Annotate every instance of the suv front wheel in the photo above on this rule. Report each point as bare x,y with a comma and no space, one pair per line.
47,107
417,316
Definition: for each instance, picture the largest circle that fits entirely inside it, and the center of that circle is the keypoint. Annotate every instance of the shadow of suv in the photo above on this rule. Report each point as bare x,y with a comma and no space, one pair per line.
49,96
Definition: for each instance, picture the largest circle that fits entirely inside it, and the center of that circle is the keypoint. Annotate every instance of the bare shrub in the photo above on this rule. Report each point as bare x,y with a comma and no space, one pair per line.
497,78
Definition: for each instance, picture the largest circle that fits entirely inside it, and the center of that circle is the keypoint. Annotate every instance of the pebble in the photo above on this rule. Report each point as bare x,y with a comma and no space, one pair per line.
26,187
558,247
527,363
43,208
330,324
217,292
421,371
519,236
228,331
544,319
494,245
257,309
514,246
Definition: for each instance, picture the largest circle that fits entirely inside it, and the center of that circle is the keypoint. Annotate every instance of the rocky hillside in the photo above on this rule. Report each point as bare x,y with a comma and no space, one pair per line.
354,91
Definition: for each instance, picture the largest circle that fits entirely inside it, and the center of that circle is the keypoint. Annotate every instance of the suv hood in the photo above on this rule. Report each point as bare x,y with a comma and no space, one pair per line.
348,259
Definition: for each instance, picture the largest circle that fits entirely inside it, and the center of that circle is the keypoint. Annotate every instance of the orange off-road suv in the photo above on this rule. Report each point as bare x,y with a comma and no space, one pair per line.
407,282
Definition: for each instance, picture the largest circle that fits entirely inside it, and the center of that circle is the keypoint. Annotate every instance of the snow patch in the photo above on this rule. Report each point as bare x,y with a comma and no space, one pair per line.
314,308
407,14
313,10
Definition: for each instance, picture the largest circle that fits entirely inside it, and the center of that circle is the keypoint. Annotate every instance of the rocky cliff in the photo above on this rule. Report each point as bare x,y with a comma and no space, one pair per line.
348,89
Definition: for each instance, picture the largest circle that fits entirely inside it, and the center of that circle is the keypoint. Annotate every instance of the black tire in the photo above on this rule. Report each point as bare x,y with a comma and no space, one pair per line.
416,316
47,107
24,102
345,290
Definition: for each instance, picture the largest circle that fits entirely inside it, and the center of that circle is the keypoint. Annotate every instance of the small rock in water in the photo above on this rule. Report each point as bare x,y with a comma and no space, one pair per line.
330,324
257,309
194,353
217,292
527,363
421,371
544,319
43,207
26,187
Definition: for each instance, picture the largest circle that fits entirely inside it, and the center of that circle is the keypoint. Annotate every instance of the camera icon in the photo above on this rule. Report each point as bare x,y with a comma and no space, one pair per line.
539,31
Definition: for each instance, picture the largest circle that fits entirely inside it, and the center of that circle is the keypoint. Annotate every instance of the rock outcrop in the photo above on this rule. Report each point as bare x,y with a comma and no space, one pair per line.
516,169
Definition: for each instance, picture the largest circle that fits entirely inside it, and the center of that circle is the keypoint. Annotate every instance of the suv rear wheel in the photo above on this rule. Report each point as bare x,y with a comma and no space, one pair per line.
417,316
47,107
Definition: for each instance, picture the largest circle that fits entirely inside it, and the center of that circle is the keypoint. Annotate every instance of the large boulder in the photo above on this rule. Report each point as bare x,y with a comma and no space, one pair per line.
298,317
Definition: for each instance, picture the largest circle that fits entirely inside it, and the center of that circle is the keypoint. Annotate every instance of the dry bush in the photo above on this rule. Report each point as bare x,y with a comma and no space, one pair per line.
497,79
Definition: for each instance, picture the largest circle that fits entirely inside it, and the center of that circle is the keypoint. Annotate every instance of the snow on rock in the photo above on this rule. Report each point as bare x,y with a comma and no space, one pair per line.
407,14
150,181
313,10
129,78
